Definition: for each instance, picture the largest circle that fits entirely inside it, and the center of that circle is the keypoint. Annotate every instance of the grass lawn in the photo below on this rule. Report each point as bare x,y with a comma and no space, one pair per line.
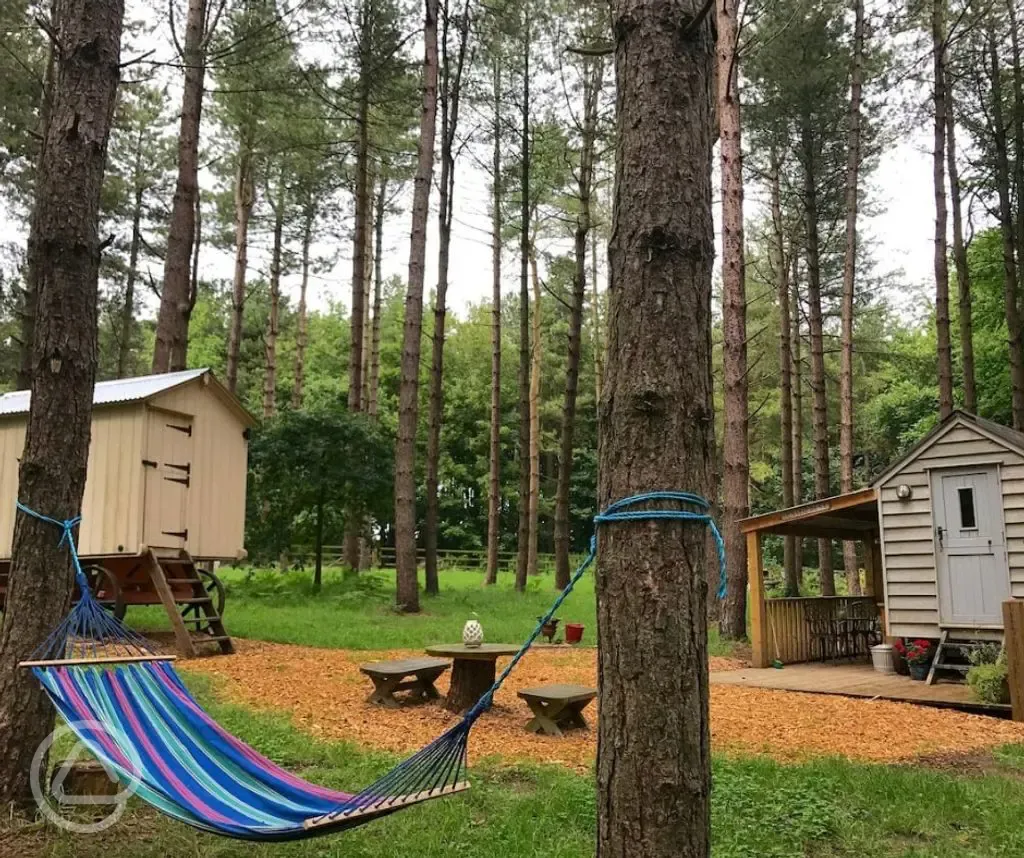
760,809
358,612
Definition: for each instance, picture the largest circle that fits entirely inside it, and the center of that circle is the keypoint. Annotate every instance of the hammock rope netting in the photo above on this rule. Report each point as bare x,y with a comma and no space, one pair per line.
131,710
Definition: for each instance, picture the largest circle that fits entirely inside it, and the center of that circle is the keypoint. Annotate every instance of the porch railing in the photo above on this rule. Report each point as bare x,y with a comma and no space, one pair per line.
789,633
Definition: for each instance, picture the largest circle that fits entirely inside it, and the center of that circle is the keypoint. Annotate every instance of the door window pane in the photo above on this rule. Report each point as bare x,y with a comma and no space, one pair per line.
968,519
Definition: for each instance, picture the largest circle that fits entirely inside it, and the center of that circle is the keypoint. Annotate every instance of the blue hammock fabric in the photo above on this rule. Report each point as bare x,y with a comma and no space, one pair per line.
130,708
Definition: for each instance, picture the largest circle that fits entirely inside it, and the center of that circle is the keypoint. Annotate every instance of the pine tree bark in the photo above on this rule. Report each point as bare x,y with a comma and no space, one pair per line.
494,472
735,482
302,320
535,372
27,312
781,268
820,402
1011,303
598,322
653,764
943,343
963,274
798,402
523,546
407,590
378,285
361,220
270,372
53,465
170,351
1018,132
450,95
853,156
245,196
593,76
364,393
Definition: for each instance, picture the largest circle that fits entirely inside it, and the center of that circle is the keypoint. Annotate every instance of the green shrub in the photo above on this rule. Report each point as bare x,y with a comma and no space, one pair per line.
989,681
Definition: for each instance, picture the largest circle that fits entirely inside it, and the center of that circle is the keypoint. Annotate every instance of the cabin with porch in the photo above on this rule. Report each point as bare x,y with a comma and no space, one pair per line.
942,536
164,493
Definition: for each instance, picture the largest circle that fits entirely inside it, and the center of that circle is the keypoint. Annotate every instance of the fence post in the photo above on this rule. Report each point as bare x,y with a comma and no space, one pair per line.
755,581
1013,628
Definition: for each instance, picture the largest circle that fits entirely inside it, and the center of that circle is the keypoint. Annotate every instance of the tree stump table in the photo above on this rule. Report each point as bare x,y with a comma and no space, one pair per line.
555,707
390,676
473,671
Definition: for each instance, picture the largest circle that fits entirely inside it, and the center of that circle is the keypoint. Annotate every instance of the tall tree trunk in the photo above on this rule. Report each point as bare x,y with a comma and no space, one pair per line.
302,323
1011,303
523,554
598,322
407,590
820,401
364,392
535,371
450,93
963,274
378,285
27,313
1018,132
781,267
170,351
124,348
53,463
653,789
197,244
244,199
593,76
270,375
798,403
494,472
849,288
943,343
735,491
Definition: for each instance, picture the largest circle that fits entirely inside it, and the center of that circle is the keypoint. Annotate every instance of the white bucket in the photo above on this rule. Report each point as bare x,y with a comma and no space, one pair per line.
882,658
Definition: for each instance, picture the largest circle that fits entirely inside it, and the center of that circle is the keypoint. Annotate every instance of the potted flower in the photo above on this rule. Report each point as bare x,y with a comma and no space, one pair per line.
918,655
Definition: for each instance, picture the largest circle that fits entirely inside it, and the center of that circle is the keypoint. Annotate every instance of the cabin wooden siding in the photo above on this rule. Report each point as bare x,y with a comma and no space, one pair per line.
112,503
220,455
908,532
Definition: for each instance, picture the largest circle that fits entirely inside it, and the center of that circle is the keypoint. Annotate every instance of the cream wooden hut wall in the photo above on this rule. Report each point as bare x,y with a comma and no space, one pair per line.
167,467
966,478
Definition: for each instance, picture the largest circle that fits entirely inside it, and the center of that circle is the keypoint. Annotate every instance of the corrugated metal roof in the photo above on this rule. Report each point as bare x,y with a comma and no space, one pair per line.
109,392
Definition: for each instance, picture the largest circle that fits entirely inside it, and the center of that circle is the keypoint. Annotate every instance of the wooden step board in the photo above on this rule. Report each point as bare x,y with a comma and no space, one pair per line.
188,603
952,647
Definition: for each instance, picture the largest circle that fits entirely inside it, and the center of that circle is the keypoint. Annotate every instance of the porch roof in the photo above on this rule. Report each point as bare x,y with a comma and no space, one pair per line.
853,516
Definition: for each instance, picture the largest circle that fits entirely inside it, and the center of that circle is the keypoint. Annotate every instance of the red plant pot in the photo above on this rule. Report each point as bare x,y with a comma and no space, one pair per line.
573,633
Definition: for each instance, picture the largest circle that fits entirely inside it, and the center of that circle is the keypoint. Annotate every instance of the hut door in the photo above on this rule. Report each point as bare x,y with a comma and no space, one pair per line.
168,465
970,546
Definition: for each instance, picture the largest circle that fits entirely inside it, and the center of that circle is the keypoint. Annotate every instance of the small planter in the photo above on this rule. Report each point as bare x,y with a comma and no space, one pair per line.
573,633
549,628
919,670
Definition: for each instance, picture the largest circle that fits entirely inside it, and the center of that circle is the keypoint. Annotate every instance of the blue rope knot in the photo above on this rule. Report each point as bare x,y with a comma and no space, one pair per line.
622,510
67,527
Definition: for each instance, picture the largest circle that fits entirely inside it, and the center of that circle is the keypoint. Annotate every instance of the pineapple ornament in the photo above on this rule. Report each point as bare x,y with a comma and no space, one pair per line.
472,633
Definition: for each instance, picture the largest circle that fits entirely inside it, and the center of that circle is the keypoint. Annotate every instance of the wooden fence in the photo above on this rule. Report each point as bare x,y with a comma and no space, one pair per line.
384,558
789,636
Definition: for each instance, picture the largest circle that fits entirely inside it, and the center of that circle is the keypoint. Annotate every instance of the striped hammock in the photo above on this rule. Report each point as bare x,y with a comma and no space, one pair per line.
131,710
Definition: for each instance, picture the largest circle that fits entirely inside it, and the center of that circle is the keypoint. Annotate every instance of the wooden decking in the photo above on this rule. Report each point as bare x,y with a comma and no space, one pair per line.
858,680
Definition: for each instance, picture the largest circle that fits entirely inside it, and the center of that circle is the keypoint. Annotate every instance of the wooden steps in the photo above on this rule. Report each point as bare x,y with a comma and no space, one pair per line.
189,600
953,656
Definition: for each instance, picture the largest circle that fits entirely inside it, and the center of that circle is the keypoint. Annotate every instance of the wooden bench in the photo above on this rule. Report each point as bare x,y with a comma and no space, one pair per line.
556,707
390,676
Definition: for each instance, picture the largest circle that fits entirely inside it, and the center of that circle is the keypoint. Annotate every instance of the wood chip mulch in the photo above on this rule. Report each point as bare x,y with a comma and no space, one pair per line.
325,694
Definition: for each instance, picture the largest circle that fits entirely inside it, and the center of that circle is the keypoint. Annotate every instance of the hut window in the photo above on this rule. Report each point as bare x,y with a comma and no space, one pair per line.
968,519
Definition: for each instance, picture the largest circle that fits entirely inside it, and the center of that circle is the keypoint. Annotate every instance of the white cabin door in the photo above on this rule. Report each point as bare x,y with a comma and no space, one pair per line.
168,469
970,546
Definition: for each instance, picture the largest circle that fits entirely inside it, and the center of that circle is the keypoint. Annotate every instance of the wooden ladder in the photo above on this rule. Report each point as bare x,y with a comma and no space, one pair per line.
193,617
949,646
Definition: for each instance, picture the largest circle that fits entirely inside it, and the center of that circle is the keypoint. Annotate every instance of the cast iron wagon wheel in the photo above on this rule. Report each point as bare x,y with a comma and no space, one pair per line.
214,588
107,590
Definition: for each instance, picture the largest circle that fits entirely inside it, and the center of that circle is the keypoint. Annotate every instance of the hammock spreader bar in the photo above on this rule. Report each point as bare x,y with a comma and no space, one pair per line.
130,708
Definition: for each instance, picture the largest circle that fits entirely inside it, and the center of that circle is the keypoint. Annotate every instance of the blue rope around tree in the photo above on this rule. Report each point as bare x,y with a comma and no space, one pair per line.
624,510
